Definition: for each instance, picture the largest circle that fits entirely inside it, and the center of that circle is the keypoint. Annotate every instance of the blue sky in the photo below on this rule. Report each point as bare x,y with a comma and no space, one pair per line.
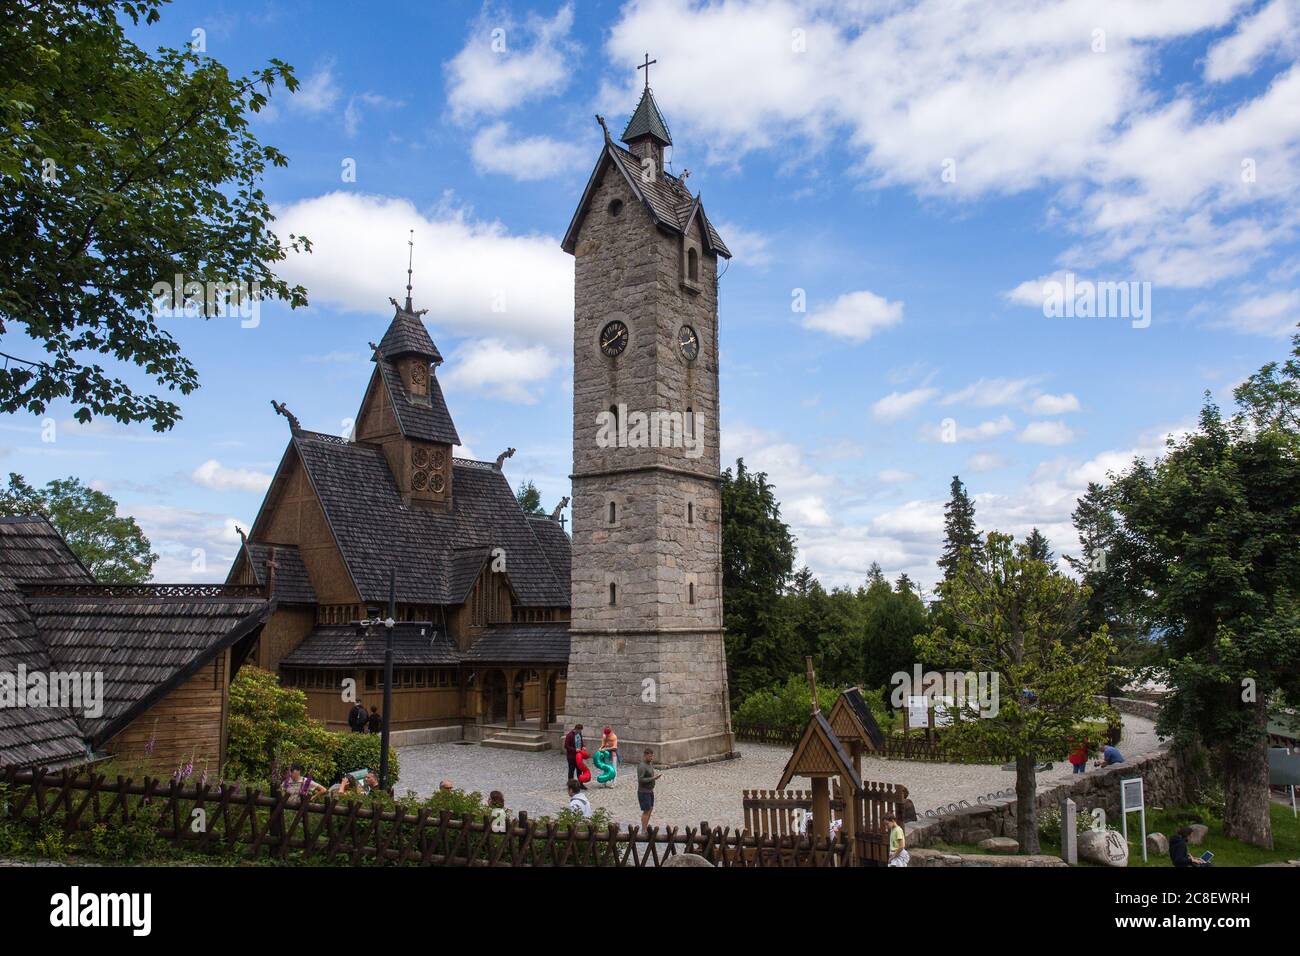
915,171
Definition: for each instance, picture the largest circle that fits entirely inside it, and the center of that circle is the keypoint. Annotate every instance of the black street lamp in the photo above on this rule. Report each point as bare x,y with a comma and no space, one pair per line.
388,624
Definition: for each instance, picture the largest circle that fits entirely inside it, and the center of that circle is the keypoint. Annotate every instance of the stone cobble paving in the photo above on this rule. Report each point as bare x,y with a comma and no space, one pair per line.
534,782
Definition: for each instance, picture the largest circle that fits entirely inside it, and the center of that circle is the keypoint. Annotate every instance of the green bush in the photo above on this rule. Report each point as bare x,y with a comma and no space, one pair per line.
788,706
269,731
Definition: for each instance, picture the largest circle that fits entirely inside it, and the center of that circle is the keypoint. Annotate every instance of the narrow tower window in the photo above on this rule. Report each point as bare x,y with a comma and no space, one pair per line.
613,512
690,512
690,589
613,594
692,265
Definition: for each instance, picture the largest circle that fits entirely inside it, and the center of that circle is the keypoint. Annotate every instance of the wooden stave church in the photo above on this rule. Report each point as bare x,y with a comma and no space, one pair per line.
482,588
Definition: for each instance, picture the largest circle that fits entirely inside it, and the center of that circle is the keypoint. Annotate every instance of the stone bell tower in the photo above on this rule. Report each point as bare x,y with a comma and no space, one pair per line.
647,654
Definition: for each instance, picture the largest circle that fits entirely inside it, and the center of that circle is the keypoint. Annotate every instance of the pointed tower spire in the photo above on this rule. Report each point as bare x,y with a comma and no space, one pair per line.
410,261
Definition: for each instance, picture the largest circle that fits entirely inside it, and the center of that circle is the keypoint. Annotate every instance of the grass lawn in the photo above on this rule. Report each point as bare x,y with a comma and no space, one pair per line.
1286,839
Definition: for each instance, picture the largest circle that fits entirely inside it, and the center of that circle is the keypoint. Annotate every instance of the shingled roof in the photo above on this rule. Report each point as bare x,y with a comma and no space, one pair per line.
647,121
31,550
418,416
292,584
556,544
338,645
146,641
407,335
670,204
521,644
376,531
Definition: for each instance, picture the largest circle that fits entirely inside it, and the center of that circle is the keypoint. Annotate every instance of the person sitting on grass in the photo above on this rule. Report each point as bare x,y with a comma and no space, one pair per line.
1178,852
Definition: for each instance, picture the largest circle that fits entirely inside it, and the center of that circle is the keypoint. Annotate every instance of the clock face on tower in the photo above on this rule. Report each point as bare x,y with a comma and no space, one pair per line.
688,343
613,338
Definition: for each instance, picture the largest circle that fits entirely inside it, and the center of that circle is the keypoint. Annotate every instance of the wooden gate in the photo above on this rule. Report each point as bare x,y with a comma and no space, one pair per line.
776,813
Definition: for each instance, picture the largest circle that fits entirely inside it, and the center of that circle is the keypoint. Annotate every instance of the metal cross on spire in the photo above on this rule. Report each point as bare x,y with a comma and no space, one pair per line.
410,260
646,66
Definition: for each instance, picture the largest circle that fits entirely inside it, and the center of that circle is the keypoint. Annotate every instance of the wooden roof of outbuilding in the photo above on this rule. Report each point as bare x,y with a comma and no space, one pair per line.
32,550
819,753
851,719
145,641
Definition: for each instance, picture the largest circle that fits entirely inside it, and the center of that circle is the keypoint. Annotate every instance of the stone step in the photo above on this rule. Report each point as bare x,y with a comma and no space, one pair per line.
517,740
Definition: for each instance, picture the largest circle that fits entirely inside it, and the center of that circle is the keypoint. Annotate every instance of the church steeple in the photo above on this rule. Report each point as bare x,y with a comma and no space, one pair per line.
647,133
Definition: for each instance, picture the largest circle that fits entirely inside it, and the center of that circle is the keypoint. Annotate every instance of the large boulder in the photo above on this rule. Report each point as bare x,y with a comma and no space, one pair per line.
1157,844
976,835
686,859
1104,847
1000,845
1198,834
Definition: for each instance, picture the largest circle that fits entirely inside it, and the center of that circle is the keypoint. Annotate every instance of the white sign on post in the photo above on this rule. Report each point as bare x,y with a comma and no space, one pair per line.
1132,799
918,711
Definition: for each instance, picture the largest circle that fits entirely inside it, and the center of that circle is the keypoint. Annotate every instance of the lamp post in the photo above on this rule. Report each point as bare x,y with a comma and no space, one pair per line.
388,678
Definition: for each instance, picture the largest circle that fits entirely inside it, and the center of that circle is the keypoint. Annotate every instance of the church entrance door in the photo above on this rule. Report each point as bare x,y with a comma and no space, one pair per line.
494,696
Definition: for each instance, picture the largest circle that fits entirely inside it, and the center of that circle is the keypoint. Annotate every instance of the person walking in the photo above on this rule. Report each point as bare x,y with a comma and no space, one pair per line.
357,718
898,855
374,723
646,775
1079,757
572,744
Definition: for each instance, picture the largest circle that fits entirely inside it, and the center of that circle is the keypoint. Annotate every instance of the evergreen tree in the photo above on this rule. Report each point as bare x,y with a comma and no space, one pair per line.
1039,548
960,533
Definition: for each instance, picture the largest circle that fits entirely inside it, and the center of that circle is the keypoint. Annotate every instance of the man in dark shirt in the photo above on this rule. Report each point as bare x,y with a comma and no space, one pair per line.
375,723
646,775
1178,850
357,718
572,744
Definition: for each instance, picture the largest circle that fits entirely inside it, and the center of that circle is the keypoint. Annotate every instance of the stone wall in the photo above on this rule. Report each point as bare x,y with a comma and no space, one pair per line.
933,858
1163,773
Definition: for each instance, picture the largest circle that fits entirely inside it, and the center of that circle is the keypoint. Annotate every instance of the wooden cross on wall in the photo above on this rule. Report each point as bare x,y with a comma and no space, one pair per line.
646,66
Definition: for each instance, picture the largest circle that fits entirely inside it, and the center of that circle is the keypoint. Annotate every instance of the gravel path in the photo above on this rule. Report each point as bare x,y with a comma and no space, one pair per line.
708,792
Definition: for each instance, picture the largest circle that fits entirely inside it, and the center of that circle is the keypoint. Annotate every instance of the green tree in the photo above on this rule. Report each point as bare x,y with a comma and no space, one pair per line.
1039,548
1206,544
530,499
111,546
960,533
1019,619
121,170
894,619
757,562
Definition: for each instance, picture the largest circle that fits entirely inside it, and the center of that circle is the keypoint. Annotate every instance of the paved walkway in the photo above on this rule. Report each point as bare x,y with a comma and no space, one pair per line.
709,792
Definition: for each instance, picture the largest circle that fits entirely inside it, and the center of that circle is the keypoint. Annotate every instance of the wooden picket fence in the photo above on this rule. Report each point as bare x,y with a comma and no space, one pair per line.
277,826
774,813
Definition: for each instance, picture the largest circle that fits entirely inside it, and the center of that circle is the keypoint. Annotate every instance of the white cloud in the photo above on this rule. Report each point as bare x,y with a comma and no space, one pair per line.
318,92
213,474
855,316
898,405
1273,28
358,103
1047,433
1046,404
192,545
989,392
1151,185
893,476
493,368
943,432
748,247
504,64
984,461
475,277
1274,313
524,158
